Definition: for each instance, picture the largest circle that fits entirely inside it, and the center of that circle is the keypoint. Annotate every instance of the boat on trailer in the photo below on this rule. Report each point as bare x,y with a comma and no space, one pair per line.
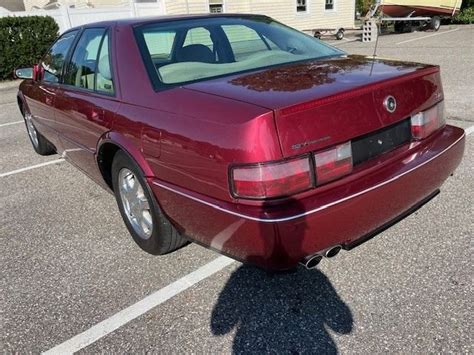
406,14
429,8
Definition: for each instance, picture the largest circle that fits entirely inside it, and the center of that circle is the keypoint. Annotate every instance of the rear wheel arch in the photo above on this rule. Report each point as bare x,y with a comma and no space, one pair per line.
109,145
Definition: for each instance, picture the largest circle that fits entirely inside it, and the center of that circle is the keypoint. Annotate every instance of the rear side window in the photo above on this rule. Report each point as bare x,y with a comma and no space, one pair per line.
52,63
82,67
89,67
104,81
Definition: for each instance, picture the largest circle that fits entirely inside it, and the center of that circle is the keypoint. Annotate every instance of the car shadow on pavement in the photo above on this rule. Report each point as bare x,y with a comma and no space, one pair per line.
281,313
289,312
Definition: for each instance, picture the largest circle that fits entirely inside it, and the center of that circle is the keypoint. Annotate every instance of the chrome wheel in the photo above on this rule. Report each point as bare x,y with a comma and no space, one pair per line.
31,129
135,203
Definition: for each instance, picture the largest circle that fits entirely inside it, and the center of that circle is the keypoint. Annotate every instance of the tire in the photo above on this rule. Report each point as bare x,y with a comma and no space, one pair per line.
398,27
40,144
435,23
339,35
140,211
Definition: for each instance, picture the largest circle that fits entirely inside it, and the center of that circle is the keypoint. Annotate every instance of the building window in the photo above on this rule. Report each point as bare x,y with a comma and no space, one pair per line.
216,6
329,5
300,5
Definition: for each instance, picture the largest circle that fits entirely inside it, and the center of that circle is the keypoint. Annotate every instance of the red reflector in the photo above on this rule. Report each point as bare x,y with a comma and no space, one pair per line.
425,123
333,163
272,180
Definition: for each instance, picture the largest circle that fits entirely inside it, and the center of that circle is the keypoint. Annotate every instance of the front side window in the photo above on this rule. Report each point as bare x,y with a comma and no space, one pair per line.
301,6
52,63
218,46
82,67
329,5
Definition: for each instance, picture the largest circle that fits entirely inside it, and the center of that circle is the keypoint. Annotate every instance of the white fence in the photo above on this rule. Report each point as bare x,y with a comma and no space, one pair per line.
70,17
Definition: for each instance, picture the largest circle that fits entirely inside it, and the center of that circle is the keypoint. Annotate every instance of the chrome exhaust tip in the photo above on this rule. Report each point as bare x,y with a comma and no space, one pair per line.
330,253
310,262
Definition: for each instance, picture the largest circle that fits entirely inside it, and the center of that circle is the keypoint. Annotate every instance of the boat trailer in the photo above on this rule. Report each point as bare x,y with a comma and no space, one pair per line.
318,32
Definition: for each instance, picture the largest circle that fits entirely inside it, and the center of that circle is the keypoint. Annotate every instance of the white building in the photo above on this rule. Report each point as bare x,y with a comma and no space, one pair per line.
300,14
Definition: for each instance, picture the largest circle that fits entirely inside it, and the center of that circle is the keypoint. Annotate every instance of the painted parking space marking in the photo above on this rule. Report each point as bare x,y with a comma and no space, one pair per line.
432,35
57,161
128,314
469,130
10,123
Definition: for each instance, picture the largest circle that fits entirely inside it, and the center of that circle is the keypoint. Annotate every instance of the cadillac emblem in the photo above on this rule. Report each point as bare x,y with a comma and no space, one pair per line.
390,104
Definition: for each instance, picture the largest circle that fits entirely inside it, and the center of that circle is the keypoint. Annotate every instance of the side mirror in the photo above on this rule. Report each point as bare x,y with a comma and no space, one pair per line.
24,73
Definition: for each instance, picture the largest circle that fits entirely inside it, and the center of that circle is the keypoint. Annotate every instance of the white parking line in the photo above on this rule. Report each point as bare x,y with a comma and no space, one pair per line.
432,35
469,130
128,314
31,167
10,123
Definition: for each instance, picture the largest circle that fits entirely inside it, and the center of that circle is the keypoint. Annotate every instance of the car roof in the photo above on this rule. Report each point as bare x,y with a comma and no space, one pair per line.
136,21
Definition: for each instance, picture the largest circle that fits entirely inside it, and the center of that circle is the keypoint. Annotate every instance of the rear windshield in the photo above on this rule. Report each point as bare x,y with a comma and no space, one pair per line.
184,51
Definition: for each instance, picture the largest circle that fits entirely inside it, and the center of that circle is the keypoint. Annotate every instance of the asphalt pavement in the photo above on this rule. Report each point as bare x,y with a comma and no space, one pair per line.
69,268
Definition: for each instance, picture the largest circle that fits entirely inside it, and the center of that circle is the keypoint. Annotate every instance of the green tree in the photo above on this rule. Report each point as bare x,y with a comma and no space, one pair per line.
23,41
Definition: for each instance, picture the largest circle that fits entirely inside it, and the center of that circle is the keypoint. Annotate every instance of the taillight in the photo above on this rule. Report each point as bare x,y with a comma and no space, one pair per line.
272,180
333,163
426,122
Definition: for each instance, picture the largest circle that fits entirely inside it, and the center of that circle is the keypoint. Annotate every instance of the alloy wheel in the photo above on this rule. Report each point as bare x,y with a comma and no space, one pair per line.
135,203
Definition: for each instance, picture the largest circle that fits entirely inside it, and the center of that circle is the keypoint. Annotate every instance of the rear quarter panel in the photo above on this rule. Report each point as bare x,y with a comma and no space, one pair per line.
188,138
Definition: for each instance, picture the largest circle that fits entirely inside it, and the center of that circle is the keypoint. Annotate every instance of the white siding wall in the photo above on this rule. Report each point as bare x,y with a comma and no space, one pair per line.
233,6
315,16
178,7
282,10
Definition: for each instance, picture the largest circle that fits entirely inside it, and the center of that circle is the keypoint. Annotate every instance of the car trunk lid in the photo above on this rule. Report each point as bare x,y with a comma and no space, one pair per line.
318,104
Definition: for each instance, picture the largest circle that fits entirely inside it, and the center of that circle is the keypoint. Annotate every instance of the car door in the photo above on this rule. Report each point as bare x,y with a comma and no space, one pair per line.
42,95
86,100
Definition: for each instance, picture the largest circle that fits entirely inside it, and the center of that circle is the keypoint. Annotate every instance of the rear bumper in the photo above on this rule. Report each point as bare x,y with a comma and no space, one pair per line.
277,236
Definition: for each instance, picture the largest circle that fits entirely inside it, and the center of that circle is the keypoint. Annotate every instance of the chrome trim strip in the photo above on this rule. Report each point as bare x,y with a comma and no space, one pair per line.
285,219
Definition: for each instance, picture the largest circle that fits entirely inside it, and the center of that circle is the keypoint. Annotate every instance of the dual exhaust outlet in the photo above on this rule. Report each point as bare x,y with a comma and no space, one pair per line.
311,261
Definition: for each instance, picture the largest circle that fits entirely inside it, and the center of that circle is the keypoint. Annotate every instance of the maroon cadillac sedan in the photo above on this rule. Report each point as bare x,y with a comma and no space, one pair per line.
241,134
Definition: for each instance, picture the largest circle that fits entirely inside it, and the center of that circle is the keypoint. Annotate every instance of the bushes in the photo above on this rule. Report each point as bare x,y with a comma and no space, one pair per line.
466,16
23,41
